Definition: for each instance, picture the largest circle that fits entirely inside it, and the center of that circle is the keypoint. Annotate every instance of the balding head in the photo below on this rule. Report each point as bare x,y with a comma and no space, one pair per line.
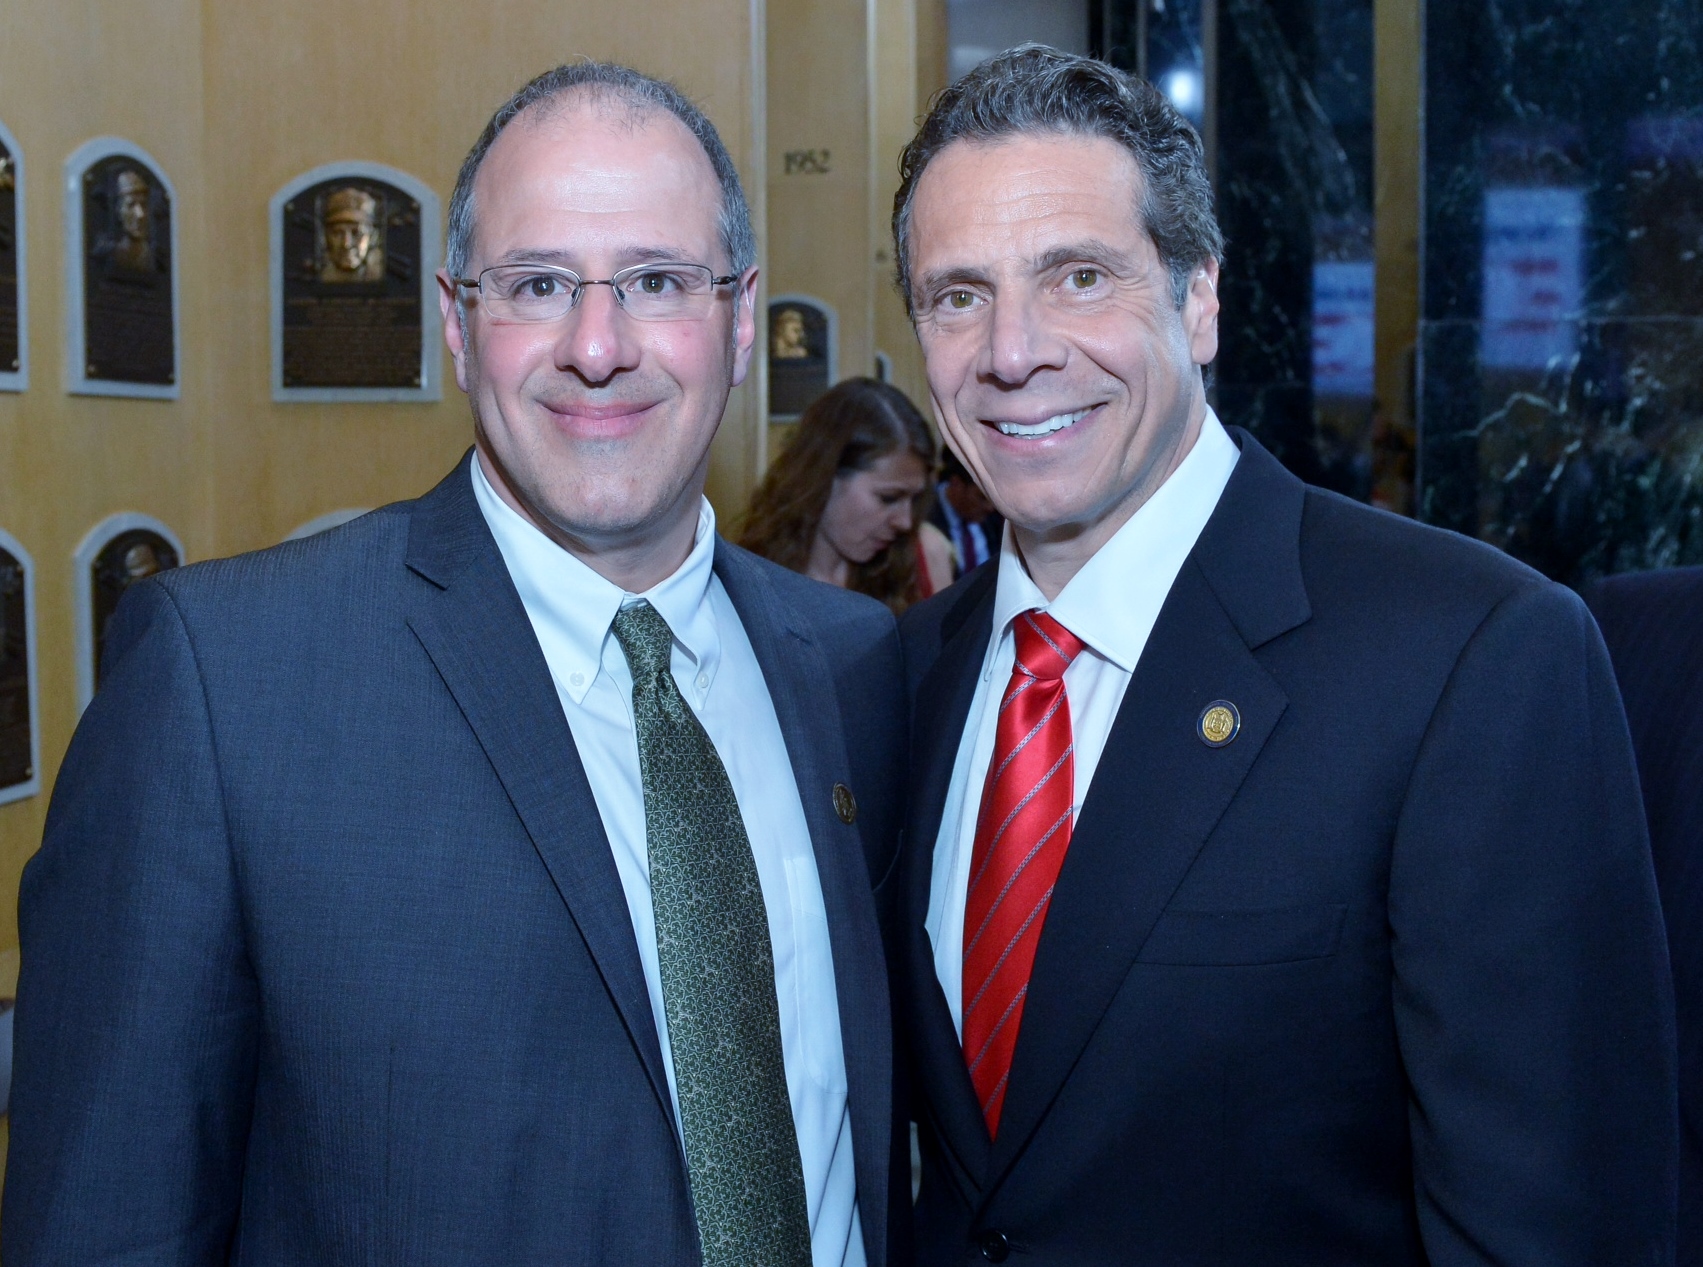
621,88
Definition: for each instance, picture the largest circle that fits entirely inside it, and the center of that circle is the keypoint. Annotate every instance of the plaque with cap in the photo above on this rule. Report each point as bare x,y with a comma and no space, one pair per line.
352,302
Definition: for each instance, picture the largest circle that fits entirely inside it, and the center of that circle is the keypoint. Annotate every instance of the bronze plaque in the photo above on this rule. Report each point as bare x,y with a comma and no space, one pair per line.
127,299
352,314
9,352
798,356
129,557
16,762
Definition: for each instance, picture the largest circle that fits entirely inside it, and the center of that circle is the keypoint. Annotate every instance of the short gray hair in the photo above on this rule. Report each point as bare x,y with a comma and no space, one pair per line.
1034,88
622,83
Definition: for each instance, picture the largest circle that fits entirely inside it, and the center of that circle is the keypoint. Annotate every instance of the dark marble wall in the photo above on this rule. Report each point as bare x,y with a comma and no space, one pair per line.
1283,92
1162,40
1294,173
1561,334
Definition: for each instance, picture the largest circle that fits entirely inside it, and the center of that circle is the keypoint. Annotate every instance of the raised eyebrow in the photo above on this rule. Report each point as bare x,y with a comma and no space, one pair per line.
1090,251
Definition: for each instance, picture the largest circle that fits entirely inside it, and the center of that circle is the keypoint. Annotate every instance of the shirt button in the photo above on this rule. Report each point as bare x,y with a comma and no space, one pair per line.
703,681
995,1248
576,680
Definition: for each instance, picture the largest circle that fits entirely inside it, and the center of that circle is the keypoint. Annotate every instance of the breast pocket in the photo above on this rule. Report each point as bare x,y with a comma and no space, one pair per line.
1240,938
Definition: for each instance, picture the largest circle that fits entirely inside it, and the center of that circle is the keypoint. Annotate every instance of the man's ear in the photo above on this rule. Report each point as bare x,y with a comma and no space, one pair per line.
744,323
454,325
1200,312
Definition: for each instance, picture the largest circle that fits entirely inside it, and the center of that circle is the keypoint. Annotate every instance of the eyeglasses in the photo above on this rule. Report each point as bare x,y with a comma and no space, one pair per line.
645,292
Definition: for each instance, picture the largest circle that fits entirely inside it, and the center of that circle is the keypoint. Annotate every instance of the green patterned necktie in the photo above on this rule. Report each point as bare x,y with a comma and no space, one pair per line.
718,975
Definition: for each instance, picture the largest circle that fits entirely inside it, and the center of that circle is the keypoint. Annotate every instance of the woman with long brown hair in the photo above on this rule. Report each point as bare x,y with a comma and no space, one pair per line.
844,502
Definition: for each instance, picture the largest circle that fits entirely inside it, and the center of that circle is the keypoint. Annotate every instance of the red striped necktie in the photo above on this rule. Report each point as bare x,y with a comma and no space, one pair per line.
1022,834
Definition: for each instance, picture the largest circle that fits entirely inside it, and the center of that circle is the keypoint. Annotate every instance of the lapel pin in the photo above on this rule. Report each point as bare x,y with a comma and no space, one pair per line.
1219,723
845,804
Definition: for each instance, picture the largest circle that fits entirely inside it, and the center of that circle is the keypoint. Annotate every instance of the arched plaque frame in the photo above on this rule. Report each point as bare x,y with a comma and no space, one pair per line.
83,600
431,253
77,381
832,318
17,380
32,655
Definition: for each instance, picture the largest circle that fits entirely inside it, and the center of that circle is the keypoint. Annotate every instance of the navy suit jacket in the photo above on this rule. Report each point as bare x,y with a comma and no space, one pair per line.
1653,624
1382,980
326,959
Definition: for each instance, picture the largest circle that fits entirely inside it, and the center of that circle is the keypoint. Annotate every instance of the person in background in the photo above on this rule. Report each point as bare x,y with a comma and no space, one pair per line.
840,503
1653,625
965,516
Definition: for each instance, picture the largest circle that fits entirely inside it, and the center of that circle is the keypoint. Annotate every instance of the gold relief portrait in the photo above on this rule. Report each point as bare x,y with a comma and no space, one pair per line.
131,246
351,240
140,562
787,338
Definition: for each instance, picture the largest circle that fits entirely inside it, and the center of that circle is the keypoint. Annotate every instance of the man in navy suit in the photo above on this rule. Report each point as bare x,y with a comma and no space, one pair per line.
1653,625
1276,885
489,880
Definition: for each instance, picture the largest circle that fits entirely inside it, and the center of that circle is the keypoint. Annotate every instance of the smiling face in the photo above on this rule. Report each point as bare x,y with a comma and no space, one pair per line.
1062,372
869,510
597,427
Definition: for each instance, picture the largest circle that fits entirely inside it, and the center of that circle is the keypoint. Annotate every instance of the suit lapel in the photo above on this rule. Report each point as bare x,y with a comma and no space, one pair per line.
1160,789
1157,793
473,626
941,711
797,673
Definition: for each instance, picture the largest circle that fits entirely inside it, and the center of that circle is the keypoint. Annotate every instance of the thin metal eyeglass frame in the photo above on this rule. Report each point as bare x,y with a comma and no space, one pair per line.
580,283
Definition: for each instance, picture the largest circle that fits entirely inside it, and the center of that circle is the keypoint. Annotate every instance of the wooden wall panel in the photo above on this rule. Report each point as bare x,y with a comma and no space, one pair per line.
234,97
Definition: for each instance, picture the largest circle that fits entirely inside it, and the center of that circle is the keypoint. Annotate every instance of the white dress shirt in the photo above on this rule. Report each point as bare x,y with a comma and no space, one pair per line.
572,609
1111,605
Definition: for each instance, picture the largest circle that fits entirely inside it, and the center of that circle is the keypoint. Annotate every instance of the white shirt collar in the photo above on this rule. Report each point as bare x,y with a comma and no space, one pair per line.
1113,602
573,607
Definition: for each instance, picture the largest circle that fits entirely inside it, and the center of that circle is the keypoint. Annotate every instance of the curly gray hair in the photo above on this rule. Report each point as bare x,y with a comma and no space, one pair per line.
1034,88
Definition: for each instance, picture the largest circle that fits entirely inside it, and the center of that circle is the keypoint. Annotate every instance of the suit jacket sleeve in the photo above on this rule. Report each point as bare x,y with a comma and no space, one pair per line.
137,1009
1532,994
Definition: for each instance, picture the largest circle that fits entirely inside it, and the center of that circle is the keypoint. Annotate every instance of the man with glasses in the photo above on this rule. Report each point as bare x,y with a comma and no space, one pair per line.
1277,889
489,880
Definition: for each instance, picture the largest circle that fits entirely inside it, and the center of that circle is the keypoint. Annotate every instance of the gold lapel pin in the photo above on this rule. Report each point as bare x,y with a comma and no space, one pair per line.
1219,723
845,804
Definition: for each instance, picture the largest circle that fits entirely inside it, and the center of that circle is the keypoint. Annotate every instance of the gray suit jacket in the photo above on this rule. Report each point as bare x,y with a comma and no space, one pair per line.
326,959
